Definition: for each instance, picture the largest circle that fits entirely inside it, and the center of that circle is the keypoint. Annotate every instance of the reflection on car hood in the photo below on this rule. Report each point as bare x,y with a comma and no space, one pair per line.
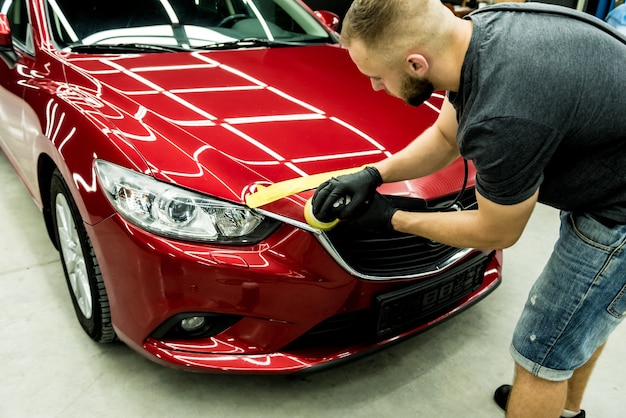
219,122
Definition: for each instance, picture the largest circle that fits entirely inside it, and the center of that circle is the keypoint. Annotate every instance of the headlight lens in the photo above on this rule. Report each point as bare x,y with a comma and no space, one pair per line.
171,211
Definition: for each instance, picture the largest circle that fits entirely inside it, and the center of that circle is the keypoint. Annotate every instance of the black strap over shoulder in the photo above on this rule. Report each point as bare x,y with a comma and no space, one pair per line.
555,10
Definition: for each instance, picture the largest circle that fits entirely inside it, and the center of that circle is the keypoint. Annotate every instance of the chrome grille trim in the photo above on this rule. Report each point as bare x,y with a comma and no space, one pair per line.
442,266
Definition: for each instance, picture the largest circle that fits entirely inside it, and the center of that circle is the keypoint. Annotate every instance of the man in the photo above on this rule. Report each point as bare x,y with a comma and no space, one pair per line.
536,100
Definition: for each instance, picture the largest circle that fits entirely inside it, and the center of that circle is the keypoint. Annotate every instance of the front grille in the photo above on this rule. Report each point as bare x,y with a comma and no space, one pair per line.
393,254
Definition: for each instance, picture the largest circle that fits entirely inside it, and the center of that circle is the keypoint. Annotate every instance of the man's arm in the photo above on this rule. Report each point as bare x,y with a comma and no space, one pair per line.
434,149
431,151
491,226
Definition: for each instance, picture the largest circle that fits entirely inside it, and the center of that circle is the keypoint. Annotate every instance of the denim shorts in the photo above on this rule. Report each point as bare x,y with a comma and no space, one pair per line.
577,301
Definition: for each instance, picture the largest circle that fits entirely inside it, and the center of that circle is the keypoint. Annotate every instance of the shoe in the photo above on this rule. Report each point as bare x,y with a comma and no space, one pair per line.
501,397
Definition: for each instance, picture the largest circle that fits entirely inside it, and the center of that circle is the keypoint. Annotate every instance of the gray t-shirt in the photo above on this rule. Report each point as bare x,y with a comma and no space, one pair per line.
542,104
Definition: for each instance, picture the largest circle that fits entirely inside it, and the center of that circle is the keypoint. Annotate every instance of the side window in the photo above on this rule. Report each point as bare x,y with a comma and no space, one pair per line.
17,13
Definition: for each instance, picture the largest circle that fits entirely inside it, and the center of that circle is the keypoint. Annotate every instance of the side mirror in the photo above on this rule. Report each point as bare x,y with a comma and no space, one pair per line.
330,19
5,33
7,54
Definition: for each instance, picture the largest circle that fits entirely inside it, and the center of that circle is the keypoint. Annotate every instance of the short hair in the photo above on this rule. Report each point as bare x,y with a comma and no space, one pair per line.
391,27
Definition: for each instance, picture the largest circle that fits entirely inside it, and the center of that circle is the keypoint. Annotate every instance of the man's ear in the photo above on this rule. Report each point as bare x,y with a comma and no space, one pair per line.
417,65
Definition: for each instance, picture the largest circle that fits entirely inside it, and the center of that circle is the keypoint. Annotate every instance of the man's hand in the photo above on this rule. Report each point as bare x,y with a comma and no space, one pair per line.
377,214
329,200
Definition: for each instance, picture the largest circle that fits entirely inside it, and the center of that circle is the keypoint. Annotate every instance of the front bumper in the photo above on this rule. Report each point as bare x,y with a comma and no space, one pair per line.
299,310
224,356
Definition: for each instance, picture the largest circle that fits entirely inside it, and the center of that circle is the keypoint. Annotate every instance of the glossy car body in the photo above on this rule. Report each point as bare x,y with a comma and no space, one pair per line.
103,135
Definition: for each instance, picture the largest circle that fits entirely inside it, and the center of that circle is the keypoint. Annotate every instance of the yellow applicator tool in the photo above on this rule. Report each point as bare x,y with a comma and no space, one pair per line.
276,191
313,221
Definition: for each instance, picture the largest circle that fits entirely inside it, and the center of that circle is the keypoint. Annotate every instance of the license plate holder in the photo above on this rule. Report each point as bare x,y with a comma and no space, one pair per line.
400,309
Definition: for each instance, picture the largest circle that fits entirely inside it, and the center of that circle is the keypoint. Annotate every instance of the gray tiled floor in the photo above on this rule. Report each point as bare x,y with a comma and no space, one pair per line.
50,369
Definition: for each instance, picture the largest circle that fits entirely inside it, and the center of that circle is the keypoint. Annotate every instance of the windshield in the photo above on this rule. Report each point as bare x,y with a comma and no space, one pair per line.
180,24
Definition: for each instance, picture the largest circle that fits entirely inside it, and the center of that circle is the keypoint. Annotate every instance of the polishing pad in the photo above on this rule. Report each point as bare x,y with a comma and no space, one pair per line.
314,222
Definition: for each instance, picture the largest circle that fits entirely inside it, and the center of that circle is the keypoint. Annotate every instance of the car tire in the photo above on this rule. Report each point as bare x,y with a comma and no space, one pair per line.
80,265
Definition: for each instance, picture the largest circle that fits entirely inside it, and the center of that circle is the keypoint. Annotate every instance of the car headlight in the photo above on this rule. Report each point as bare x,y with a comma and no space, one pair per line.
171,211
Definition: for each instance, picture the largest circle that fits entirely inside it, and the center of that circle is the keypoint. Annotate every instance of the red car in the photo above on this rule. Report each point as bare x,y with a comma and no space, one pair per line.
140,127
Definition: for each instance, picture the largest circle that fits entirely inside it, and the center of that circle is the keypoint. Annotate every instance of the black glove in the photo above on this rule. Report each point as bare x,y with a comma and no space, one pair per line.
341,197
377,214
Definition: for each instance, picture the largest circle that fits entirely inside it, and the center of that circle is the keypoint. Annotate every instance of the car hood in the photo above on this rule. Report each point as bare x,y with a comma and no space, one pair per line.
222,122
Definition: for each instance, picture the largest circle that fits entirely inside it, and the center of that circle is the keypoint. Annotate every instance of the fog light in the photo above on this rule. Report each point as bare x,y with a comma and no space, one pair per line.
193,323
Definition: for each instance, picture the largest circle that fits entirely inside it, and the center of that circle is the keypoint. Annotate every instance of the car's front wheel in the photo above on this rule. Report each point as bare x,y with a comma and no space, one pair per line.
80,265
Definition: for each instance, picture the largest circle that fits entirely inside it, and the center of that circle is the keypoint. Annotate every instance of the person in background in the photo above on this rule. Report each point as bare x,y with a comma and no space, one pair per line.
535,100
617,18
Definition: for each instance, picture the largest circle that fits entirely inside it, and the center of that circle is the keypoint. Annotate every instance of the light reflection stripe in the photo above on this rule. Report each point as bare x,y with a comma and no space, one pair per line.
294,100
336,156
358,132
173,67
273,118
254,142
216,89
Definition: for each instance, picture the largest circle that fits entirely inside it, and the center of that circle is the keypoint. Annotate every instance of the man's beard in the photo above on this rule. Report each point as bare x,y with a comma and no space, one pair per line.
415,91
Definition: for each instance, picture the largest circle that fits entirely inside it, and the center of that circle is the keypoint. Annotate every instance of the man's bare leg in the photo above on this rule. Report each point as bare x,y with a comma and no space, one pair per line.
578,382
534,397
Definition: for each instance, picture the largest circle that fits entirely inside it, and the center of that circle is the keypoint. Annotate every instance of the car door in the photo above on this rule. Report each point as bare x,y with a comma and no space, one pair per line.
18,122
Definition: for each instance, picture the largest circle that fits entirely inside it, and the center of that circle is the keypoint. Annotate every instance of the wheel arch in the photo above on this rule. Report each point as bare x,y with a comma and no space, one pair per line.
45,168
